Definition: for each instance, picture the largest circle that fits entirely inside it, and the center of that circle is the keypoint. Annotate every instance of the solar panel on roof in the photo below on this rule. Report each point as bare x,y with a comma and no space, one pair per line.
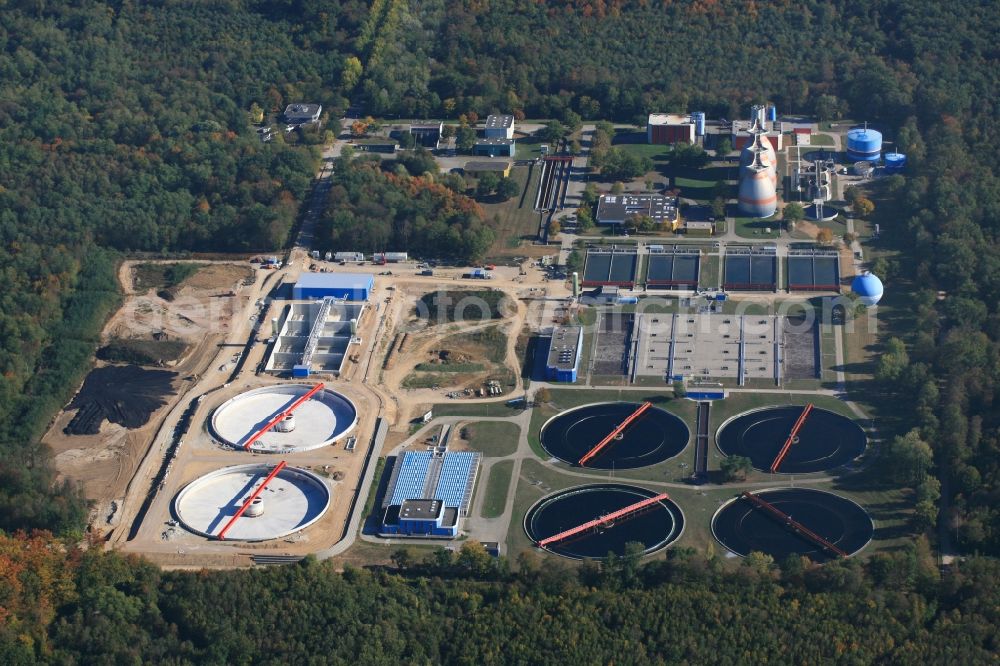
456,471
412,476
454,478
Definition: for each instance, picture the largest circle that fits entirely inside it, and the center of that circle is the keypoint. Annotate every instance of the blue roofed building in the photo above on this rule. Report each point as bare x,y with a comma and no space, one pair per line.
342,286
429,493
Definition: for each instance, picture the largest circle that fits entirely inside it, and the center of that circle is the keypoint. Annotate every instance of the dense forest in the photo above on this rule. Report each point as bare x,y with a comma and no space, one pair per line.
64,606
371,209
124,126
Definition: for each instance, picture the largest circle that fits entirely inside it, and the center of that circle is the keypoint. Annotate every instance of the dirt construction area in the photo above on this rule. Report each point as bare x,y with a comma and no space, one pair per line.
429,361
119,408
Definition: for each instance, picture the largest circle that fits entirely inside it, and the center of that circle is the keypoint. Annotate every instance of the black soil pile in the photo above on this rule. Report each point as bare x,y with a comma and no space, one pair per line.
142,352
123,394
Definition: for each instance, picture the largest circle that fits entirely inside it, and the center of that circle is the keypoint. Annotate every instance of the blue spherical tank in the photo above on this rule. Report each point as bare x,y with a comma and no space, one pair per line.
868,288
864,144
895,162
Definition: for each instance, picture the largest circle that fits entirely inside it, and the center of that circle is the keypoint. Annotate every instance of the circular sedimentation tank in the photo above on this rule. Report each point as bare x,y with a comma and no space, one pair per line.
292,501
655,527
744,527
320,421
812,212
655,436
825,441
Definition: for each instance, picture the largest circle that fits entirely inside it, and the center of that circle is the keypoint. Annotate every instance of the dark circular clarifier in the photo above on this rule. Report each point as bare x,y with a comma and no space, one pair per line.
825,441
655,527
653,437
743,527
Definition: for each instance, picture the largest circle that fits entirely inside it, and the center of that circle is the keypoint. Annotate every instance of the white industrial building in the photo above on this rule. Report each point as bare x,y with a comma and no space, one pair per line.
315,337
499,127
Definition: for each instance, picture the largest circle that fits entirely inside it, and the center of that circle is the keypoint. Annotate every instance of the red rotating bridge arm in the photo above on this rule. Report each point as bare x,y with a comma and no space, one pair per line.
274,472
794,524
604,520
614,433
273,422
791,438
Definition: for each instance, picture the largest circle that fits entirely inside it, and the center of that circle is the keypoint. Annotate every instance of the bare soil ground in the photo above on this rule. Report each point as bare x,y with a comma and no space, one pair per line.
455,362
425,343
808,228
846,265
201,306
104,463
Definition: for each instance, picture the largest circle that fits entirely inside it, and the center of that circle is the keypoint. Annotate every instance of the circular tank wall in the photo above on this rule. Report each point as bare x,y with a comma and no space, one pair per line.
320,421
291,502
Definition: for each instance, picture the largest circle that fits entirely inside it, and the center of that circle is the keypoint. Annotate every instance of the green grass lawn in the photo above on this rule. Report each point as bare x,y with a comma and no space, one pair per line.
737,403
588,350
841,125
708,276
586,316
821,140
528,148
459,408
608,231
496,489
736,306
756,228
653,152
450,367
368,553
860,345
494,439
419,380
373,490
517,219
828,351
162,276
